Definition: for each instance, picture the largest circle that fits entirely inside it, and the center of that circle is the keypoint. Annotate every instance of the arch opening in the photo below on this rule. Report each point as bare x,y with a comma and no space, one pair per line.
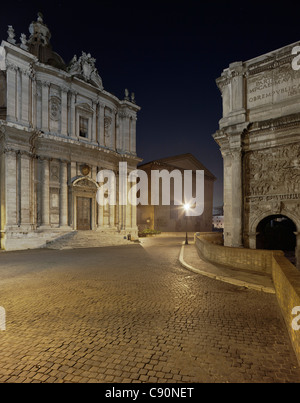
277,232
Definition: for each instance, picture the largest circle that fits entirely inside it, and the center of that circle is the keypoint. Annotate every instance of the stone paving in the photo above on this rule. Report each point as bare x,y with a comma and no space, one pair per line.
134,314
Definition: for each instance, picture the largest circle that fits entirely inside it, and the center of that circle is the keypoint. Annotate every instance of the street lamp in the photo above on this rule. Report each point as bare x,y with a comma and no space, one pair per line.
186,207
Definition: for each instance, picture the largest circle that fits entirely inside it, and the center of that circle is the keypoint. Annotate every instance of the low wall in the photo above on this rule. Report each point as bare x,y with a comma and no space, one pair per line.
211,247
286,279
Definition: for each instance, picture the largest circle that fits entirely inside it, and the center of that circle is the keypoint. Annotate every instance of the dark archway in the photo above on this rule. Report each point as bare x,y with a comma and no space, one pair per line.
276,232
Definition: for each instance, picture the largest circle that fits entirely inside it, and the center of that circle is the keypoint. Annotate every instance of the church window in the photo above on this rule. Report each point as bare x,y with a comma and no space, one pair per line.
83,127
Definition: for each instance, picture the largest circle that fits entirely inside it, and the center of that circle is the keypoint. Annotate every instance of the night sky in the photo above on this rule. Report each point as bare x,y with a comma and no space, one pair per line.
169,54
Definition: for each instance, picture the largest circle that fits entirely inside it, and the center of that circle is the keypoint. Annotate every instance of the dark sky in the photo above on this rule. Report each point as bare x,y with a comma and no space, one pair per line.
169,54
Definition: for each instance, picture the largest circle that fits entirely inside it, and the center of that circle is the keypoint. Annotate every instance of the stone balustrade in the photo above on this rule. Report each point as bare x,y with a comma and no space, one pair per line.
286,279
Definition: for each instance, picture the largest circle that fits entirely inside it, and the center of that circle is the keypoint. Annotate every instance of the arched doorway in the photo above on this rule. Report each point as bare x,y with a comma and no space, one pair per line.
83,193
277,232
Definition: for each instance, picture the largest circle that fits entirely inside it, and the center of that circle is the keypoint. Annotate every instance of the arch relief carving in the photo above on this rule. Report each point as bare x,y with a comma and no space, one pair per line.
275,171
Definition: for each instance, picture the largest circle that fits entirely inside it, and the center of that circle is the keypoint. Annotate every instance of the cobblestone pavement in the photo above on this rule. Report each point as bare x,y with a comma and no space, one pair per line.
133,314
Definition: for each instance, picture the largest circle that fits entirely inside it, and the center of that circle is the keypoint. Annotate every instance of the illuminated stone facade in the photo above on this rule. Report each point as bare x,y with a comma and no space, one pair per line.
259,137
58,128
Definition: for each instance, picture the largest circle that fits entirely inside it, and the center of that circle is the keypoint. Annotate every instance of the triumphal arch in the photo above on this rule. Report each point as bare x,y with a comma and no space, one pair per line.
259,138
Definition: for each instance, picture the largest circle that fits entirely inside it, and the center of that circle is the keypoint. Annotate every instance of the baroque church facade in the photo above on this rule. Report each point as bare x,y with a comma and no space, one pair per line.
58,129
259,138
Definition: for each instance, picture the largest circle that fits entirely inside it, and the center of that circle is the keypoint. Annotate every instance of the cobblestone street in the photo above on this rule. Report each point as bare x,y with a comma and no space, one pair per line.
133,314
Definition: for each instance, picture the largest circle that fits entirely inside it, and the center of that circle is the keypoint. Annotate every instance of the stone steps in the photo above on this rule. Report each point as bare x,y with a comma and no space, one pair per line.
88,239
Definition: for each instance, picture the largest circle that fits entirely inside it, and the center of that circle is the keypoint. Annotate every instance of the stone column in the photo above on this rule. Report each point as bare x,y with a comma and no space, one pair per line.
132,203
133,136
297,250
98,122
19,95
127,133
120,138
45,106
237,198
11,92
101,125
34,191
72,115
252,239
237,87
11,188
25,98
94,123
112,211
64,111
117,130
63,203
33,102
134,217
128,216
45,193
72,198
227,198
117,209
100,210
113,131
100,216
25,188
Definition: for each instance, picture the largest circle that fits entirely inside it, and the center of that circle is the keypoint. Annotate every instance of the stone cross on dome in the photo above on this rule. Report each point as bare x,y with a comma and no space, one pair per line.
40,33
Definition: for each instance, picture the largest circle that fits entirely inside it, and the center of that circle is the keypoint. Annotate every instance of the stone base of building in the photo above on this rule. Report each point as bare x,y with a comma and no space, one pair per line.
22,239
46,237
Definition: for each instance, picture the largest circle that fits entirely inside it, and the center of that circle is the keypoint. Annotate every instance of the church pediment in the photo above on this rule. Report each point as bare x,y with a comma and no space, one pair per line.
84,182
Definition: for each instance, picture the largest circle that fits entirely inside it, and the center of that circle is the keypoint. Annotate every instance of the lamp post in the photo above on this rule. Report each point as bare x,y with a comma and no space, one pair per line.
186,209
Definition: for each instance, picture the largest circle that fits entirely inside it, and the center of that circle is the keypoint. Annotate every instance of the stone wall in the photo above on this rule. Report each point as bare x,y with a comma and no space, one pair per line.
287,286
210,247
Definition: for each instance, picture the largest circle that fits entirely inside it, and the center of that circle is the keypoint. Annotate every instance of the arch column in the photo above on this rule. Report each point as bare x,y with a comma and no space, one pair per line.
297,250
252,239
237,198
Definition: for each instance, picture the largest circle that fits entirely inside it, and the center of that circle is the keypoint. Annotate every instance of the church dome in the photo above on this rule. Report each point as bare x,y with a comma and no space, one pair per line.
39,44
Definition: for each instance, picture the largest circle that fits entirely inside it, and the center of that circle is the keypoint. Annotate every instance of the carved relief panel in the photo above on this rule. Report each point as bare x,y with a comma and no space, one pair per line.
274,171
271,184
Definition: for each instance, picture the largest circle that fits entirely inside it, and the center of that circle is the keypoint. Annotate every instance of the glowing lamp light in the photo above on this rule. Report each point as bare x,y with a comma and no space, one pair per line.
186,206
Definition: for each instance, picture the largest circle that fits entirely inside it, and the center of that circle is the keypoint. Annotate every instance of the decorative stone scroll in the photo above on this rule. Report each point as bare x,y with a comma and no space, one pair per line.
84,67
107,129
55,108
